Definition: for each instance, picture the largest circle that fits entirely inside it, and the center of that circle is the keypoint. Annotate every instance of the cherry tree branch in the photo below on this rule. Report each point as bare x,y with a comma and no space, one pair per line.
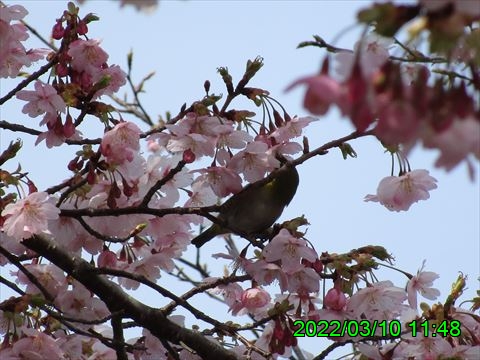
29,79
117,300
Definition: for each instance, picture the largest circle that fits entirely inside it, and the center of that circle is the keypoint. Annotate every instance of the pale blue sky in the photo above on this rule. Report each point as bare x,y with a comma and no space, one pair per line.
185,41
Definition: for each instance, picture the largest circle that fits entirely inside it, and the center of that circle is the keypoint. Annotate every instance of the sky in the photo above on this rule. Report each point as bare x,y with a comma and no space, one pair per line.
184,42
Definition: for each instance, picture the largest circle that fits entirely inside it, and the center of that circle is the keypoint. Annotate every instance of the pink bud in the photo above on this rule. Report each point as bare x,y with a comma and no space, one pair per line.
188,156
58,31
255,298
82,27
335,299
68,128
107,258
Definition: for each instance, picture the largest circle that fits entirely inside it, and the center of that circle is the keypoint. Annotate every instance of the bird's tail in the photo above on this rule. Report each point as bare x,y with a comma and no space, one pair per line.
207,235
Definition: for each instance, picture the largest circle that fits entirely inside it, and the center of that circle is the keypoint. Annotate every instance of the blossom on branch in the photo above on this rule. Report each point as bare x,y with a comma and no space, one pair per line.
30,215
121,143
398,193
44,99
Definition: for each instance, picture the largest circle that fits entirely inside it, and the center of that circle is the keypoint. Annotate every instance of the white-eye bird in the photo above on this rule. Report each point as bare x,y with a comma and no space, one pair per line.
255,208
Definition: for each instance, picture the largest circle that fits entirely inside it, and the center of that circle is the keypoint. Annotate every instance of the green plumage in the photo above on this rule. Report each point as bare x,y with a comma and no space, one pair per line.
255,208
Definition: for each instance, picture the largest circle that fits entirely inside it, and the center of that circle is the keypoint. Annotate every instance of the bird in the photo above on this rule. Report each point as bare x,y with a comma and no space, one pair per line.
254,208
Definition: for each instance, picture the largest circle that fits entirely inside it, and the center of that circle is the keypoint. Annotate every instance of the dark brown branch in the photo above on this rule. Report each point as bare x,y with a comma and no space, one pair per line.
148,196
176,300
14,260
29,79
117,300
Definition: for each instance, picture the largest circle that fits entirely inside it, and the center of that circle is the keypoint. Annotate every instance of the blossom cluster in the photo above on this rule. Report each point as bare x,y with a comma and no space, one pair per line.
398,101
13,54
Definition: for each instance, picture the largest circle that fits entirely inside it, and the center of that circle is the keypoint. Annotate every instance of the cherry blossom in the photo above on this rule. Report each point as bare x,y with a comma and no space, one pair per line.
423,347
265,273
305,280
422,283
372,51
121,143
230,138
253,162
48,275
36,345
12,245
87,55
44,99
79,303
322,92
253,300
13,55
223,181
398,193
30,215
381,301
335,299
115,79
200,145
291,129
290,250
456,143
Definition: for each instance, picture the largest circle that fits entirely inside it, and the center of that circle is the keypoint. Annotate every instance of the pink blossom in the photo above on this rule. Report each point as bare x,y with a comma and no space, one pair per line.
322,91
12,245
209,126
285,148
253,162
170,233
44,99
149,267
422,283
57,132
253,300
373,51
36,345
232,294
12,12
115,76
410,72
420,347
201,195
233,139
13,55
87,55
456,143
265,273
380,301
157,167
223,181
290,250
49,276
335,299
398,121
121,143
200,145
375,352
30,215
292,129
303,281
108,259
398,193
81,304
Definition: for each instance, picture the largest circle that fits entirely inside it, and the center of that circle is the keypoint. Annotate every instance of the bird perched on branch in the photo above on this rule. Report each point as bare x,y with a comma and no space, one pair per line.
255,208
